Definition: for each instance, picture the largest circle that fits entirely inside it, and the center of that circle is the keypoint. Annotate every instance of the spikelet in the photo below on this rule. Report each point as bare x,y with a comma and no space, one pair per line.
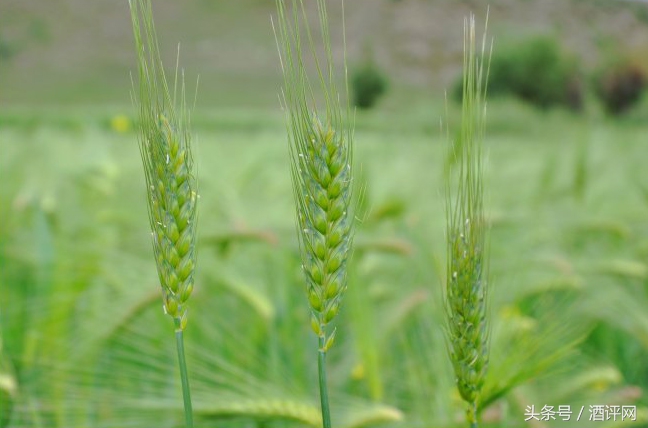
165,146
466,288
321,153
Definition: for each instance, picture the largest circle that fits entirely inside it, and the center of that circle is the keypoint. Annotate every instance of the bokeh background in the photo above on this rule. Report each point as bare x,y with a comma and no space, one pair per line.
83,339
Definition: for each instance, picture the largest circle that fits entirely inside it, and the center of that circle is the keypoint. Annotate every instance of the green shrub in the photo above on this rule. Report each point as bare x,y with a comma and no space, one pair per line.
619,86
7,49
368,84
538,72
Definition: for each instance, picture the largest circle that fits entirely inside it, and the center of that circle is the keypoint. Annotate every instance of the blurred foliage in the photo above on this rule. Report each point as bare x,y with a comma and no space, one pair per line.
7,388
537,71
85,342
368,84
619,85
7,49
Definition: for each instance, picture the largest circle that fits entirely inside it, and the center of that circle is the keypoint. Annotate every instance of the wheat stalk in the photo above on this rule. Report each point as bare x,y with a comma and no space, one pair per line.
165,146
321,153
466,285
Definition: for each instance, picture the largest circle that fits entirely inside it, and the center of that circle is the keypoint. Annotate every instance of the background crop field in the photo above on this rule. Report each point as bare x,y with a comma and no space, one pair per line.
84,341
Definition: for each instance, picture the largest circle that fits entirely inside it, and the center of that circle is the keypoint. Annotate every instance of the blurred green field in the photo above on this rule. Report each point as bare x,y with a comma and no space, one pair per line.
84,341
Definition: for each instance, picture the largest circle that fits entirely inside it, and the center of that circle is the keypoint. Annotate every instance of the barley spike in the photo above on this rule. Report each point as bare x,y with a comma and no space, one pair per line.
466,291
321,151
165,147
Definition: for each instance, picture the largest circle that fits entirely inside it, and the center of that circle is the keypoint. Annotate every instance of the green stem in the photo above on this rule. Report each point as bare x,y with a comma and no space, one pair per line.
184,378
321,370
472,415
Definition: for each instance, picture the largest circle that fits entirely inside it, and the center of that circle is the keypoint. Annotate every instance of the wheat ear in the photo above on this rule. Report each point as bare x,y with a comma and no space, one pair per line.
321,154
466,288
165,146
